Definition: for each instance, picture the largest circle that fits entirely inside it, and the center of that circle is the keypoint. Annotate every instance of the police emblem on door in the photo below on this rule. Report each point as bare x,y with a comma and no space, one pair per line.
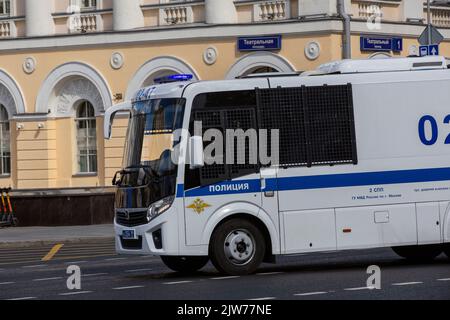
199,206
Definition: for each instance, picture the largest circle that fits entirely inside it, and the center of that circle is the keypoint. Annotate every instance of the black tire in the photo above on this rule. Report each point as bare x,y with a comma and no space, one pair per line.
237,247
447,250
185,264
419,253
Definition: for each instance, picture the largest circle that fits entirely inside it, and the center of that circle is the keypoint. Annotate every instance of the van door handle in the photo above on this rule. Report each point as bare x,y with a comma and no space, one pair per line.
267,194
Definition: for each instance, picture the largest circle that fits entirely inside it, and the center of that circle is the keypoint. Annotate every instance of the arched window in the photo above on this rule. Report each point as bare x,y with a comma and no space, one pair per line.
258,70
5,142
86,138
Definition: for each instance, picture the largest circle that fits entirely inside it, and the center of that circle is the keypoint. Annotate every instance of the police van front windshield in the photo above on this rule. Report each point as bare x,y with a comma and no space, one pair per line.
149,141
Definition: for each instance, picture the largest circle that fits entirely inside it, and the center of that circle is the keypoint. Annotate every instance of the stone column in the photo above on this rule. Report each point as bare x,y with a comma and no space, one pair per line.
39,20
320,7
220,12
127,15
413,10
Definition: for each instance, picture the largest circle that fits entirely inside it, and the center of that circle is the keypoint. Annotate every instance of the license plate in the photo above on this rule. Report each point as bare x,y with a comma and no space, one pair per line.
129,234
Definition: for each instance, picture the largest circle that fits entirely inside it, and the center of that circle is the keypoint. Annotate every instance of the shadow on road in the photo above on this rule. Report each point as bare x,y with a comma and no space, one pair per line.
325,262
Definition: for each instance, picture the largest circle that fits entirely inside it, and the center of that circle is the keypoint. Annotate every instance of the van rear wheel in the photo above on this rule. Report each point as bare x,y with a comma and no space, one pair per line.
237,247
185,264
419,253
447,250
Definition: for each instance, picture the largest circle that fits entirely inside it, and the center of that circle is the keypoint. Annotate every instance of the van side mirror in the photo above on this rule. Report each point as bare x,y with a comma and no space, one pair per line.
196,152
110,113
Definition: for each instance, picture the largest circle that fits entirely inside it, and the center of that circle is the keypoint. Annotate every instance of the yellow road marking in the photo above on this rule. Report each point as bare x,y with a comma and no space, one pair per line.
52,252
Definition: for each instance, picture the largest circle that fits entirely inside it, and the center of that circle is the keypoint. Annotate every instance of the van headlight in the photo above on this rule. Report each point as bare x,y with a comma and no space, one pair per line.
159,207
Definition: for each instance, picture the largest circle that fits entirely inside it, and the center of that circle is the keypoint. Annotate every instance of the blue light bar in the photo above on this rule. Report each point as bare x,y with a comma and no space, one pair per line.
174,78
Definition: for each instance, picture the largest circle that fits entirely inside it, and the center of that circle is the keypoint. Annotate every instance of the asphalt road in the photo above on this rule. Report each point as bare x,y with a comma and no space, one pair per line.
24,276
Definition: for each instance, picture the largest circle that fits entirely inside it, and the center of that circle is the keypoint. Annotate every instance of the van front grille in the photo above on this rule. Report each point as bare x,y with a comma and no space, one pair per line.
131,218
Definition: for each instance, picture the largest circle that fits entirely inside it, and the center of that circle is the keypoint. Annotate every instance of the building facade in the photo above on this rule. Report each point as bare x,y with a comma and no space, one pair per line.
64,62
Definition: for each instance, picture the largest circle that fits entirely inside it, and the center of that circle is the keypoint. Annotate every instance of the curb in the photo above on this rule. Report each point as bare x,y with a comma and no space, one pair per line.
41,243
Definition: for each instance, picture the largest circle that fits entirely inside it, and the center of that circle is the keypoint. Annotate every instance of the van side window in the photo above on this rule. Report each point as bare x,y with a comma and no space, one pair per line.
316,124
222,111
316,127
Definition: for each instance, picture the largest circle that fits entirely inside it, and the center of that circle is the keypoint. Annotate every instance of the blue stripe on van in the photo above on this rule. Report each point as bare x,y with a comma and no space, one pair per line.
363,179
325,181
227,187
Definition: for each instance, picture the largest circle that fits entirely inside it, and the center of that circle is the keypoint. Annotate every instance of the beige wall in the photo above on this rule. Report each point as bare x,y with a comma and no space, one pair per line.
36,155
137,55
46,157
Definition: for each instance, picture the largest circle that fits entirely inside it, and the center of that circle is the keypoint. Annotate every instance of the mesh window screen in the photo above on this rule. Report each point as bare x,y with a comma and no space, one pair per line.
243,153
245,157
316,124
330,120
282,108
211,120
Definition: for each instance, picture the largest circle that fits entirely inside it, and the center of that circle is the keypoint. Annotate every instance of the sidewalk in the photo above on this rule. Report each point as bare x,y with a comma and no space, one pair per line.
35,236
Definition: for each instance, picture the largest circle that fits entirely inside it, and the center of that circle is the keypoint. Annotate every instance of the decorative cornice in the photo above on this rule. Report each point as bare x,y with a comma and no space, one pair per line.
171,33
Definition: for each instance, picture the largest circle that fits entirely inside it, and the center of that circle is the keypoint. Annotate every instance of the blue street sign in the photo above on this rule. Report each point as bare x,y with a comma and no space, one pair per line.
431,50
423,50
397,44
381,44
259,43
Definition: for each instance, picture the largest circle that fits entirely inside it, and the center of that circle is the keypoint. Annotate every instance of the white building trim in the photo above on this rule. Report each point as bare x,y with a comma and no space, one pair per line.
11,95
76,70
259,59
220,12
127,14
39,20
209,32
178,33
154,66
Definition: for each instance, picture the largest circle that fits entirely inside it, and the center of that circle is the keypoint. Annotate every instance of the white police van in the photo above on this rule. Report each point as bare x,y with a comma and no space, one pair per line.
363,162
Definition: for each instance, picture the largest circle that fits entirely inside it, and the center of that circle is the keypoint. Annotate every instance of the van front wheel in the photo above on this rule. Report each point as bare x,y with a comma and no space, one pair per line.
185,264
237,247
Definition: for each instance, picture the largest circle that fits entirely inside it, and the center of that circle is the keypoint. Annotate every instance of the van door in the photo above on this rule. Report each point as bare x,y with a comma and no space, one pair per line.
226,117
269,198
316,137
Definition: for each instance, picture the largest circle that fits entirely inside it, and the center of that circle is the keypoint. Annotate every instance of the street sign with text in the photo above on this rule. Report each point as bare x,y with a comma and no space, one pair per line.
259,43
381,44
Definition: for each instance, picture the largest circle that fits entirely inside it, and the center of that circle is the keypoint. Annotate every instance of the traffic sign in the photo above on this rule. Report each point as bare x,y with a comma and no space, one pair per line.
436,36
423,50
431,50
